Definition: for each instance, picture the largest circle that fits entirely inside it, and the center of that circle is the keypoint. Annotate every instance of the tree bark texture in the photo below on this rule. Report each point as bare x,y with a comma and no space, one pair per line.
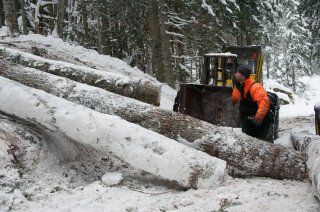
154,30
52,15
166,47
60,18
311,145
11,15
141,148
160,45
84,13
137,88
2,15
246,156
24,18
104,44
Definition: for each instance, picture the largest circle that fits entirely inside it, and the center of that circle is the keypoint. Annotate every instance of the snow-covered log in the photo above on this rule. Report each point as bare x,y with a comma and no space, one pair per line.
311,145
244,154
137,146
141,89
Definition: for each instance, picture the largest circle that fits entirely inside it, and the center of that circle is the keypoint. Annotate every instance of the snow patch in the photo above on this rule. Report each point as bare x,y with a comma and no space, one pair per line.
207,7
112,178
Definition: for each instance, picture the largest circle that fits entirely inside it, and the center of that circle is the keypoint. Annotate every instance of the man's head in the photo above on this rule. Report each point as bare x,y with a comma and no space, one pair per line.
242,73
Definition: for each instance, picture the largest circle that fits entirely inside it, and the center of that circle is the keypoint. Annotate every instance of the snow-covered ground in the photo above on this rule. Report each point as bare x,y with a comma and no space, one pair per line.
50,173
43,171
298,106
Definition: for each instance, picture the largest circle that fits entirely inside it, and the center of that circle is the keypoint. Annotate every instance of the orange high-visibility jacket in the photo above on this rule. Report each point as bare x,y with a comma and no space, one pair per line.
258,94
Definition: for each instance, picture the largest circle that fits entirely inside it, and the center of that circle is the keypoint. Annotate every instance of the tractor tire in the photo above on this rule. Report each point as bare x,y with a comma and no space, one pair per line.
274,125
317,118
271,134
176,102
317,127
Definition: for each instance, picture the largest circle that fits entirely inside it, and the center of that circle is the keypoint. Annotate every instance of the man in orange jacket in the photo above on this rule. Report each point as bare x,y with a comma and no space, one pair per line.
254,104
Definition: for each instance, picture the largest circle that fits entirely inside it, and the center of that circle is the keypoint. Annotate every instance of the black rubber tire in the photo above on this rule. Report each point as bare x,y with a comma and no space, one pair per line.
276,124
176,102
317,127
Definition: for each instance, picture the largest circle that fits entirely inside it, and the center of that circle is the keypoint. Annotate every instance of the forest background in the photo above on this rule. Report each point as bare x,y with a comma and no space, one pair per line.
167,38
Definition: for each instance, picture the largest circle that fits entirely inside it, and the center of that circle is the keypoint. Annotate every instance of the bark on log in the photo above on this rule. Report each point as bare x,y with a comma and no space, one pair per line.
311,145
143,90
244,155
137,146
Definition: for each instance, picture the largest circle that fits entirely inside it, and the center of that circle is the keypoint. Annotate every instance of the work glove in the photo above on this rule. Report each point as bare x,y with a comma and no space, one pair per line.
255,121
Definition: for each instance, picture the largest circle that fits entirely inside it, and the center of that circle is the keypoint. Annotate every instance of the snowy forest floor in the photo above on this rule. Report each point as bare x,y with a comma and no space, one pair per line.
41,171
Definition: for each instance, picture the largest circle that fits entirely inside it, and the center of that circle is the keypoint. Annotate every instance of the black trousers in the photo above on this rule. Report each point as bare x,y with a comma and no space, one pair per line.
261,132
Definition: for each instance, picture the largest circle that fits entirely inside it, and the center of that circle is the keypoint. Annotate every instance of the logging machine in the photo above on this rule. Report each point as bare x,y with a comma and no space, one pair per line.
210,98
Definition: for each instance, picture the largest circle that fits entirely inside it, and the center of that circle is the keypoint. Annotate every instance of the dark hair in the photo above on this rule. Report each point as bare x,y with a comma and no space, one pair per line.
244,71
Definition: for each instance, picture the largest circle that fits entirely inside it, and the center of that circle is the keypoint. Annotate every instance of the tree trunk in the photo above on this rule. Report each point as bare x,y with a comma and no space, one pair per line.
177,44
69,20
50,21
84,13
160,45
154,28
24,18
311,145
166,47
11,15
135,145
104,44
60,19
2,15
245,155
140,89
38,21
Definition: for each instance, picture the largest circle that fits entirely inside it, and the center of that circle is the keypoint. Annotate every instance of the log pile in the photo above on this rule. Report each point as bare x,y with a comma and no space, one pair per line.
245,156
137,146
143,90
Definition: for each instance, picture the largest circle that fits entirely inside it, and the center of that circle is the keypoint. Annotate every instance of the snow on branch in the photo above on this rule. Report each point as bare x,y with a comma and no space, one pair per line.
41,3
175,34
207,7
37,13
